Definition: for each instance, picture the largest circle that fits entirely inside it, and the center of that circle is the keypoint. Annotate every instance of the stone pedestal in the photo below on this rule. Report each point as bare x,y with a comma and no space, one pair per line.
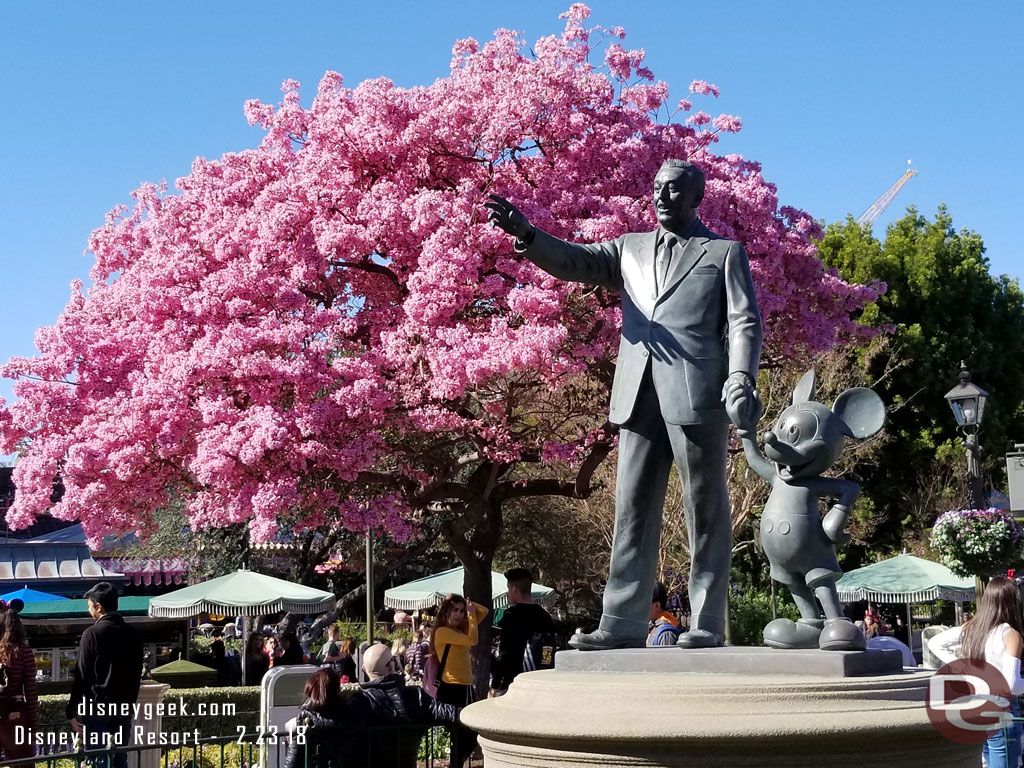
658,707
151,693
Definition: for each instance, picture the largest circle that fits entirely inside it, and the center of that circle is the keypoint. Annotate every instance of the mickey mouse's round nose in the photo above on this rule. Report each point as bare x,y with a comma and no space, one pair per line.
770,438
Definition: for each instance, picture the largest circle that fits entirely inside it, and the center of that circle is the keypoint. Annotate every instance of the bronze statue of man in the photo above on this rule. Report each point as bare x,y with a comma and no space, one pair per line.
690,330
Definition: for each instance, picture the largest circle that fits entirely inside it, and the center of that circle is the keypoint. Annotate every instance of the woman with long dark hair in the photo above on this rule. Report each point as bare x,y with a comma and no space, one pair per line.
256,661
454,636
19,701
321,716
994,636
347,664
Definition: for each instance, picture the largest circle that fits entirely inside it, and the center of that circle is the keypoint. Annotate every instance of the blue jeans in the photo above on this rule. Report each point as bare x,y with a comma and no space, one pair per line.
105,733
1002,749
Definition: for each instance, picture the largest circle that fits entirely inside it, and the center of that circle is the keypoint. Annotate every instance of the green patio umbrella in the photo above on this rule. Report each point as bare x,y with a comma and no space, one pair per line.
184,674
431,590
243,593
904,579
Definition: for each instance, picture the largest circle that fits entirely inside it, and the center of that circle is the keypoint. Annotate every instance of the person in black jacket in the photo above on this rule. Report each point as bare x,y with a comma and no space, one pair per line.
107,677
519,621
386,701
291,651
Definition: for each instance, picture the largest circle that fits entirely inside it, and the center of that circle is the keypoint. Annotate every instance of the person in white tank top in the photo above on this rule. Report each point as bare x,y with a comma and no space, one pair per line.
994,635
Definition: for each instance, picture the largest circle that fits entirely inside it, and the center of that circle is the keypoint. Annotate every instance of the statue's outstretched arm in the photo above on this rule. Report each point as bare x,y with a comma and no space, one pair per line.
597,264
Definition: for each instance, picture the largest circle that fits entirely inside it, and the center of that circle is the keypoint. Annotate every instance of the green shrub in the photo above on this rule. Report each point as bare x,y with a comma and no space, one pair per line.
200,644
226,755
751,609
219,718
357,631
51,708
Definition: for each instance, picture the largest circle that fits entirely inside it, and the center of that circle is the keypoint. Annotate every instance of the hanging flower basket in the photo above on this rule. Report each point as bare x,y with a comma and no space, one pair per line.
978,542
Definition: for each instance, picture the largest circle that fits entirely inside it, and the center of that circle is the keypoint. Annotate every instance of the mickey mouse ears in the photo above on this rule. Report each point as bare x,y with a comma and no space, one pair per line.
15,606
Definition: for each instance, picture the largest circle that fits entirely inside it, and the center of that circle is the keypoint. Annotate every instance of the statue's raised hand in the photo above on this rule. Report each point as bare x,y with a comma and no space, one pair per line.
507,217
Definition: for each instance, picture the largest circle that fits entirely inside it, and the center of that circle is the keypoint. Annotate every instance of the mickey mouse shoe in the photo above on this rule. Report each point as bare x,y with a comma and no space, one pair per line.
784,633
841,635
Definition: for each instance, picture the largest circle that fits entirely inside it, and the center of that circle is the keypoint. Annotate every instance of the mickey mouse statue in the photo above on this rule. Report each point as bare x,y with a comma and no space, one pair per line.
801,544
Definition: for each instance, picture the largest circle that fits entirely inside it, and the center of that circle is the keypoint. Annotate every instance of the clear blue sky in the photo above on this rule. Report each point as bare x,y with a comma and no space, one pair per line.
835,98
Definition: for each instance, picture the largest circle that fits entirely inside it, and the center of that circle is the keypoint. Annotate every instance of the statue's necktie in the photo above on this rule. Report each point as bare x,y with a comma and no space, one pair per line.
663,261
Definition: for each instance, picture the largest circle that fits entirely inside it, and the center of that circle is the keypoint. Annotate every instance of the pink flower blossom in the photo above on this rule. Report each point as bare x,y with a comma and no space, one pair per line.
325,330
704,87
728,123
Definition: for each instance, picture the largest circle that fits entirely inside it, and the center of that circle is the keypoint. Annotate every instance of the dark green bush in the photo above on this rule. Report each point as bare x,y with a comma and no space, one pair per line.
751,609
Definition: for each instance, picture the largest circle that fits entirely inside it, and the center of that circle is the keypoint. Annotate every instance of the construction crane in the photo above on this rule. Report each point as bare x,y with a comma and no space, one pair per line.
872,213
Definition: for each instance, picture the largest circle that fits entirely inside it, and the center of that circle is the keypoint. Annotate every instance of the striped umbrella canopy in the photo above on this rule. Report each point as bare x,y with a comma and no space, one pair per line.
431,590
904,579
243,593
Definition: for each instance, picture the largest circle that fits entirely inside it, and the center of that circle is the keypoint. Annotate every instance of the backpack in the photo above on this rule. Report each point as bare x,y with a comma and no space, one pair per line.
433,671
9,701
662,630
540,651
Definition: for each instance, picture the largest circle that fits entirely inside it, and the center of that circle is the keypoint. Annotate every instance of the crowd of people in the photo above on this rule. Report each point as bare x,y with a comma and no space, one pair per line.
262,652
438,658
423,678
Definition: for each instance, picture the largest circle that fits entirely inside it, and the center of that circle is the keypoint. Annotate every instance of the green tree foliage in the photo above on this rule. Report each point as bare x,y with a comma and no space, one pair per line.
942,305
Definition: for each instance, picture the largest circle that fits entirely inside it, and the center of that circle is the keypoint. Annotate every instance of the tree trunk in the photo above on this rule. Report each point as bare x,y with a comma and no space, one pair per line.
478,588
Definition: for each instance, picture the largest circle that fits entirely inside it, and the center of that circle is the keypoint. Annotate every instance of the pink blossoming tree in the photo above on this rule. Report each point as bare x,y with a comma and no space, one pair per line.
326,330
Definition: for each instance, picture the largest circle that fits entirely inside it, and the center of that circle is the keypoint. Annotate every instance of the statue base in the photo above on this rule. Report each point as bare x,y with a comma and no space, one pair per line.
734,660
661,707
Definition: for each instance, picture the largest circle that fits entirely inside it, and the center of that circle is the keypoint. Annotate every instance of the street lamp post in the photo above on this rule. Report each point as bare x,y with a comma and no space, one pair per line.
967,401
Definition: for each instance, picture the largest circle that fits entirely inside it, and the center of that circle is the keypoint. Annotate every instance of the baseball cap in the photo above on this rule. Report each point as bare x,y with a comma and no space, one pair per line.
377,660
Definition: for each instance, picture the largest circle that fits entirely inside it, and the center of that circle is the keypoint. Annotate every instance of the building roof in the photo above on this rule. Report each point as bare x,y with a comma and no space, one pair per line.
73,534
138,570
51,568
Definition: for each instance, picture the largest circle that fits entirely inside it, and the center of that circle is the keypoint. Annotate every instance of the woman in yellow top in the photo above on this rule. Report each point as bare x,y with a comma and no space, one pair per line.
455,629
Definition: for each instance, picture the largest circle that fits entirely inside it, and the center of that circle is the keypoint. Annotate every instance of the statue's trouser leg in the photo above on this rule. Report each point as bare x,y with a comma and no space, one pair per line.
829,599
645,460
803,596
700,455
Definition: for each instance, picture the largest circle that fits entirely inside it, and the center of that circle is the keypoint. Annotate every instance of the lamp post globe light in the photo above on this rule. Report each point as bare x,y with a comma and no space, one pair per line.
967,401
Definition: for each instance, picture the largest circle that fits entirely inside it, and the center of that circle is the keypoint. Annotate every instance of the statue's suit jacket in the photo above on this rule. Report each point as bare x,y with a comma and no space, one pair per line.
704,325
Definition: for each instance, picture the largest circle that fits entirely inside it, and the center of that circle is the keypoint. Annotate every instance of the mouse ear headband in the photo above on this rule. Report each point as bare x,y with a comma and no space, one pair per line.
14,606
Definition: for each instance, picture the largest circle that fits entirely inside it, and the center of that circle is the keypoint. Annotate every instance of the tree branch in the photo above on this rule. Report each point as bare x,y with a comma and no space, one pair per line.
377,269
598,453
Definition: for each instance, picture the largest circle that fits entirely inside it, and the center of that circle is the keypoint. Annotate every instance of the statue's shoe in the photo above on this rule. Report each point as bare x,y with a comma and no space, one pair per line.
784,633
841,635
602,640
699,638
